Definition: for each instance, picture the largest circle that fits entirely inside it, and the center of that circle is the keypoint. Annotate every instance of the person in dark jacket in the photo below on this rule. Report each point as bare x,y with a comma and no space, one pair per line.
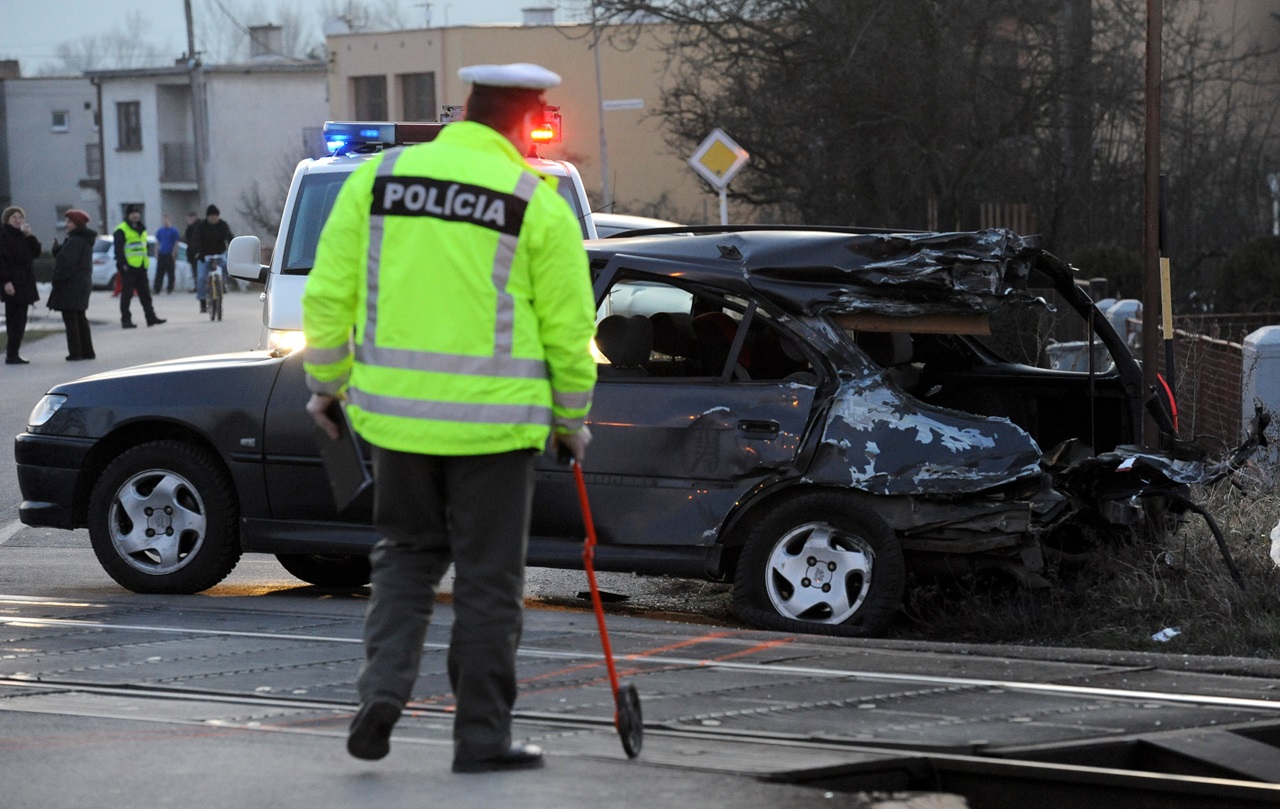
18,249
209,238
73,282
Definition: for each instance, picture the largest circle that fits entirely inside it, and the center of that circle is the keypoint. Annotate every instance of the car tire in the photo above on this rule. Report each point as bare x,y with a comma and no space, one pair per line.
163,519
344,571
820,564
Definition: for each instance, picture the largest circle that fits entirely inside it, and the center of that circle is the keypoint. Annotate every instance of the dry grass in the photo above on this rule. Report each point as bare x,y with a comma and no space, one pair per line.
1139,588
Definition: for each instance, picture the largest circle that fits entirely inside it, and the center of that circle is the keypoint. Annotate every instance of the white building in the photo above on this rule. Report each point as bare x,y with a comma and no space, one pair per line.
235,148
49,155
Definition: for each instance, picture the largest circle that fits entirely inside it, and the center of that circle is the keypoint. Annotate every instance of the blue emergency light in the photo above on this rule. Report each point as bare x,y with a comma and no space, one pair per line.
354,137
344,137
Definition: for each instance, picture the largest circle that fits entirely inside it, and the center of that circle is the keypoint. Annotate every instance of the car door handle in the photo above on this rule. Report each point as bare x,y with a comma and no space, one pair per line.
758,428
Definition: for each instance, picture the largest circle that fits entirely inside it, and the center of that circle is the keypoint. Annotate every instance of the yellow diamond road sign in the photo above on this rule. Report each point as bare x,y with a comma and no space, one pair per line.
718,158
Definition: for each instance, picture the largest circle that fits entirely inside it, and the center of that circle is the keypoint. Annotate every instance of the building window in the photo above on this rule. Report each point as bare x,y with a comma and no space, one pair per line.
92,161
61,121
129,125
60,213
418,96
370,96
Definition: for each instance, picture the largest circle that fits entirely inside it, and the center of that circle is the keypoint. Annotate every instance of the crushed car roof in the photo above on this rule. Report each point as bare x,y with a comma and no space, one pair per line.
816,270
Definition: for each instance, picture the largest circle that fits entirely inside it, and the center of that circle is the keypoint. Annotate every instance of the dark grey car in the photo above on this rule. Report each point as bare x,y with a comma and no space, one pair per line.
809,413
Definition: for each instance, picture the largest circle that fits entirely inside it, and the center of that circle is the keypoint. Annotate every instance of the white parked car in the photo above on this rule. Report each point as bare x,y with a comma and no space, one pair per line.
104,264
608,224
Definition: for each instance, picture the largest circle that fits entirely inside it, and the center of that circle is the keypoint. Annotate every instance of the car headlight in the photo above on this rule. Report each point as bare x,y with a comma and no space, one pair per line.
281,342
45,408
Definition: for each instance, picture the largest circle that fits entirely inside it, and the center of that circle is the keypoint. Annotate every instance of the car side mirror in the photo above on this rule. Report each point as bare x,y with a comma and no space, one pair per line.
244,260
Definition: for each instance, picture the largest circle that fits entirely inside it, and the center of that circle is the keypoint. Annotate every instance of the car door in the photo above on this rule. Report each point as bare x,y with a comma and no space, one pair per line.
696,403
297,486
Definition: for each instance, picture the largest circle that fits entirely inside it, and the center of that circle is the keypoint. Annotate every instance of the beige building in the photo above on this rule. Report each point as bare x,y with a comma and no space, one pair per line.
409,75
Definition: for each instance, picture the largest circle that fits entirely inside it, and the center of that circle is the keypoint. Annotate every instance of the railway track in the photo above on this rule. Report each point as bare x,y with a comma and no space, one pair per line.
780,709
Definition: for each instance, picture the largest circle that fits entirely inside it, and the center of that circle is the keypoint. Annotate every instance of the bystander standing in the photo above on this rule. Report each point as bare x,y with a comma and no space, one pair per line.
166,254
73,283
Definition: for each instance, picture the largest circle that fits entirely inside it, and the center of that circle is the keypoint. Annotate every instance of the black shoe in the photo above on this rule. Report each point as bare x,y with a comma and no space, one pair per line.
74,359
204,307
519,757
156,322
370,734
128,325
16,361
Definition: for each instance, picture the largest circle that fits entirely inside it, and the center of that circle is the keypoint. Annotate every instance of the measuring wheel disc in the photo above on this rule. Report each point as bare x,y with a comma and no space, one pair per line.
630,722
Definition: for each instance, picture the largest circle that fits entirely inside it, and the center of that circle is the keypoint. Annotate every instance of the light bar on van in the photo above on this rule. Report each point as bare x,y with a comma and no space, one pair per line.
353,137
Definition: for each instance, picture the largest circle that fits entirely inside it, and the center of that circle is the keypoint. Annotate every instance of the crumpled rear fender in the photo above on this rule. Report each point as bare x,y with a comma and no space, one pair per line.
879,440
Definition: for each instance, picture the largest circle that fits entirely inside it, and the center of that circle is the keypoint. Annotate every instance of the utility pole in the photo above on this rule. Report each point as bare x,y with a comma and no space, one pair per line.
606,185
195,70
1151,220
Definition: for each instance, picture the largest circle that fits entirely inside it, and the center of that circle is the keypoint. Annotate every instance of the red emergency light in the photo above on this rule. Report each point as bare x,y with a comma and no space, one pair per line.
549,131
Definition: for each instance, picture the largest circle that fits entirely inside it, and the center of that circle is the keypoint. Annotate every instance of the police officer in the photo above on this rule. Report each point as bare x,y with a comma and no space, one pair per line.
463,274
131,262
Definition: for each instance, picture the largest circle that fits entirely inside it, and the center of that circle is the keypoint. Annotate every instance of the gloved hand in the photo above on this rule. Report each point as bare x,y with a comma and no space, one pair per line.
573,443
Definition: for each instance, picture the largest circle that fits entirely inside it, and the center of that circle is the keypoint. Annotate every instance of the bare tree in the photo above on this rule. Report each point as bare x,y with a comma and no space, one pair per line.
223,27
262,209
917,113
122,47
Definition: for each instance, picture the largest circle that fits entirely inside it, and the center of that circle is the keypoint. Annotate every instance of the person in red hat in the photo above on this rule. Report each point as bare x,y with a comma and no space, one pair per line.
73,282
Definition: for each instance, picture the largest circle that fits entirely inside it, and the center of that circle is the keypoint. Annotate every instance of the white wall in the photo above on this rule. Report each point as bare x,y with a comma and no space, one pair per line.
46,167
132,176
256,123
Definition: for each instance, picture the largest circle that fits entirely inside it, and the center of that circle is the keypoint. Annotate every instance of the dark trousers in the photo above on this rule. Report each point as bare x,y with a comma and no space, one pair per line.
164,269
431,510
79,341
134,280
15,325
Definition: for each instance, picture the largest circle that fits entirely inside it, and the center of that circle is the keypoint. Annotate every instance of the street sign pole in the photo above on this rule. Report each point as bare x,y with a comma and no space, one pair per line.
716,160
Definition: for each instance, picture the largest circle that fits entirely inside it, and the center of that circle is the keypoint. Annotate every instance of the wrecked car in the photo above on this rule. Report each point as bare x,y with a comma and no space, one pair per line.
811,414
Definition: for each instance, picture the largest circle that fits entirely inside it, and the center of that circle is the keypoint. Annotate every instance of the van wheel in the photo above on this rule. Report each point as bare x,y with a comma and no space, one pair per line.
822,565
163,519
344,571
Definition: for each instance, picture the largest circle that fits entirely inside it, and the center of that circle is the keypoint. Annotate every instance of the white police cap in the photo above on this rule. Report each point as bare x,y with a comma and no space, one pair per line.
520,74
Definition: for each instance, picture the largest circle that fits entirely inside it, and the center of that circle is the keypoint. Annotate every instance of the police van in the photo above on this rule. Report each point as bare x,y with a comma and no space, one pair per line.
311,196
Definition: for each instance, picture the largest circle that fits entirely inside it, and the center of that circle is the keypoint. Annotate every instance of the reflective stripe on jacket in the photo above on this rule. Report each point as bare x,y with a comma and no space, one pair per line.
135,245
463,274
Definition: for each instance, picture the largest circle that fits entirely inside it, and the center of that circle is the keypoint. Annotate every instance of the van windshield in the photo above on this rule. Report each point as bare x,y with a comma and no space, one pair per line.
316,196
315,200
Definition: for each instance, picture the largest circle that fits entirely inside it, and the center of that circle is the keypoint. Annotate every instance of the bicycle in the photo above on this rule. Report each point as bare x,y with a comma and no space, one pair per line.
217,285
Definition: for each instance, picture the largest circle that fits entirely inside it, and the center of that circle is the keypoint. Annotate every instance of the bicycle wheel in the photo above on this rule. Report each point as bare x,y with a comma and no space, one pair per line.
215,295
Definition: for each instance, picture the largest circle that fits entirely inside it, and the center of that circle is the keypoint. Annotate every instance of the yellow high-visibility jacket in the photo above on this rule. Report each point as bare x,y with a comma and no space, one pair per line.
463,274
135,245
